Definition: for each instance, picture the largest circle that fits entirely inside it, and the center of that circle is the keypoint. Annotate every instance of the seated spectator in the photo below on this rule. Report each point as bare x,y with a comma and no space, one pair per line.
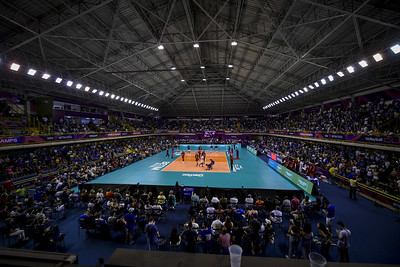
276,215
195,200
249,201
161,199
171,200
216,227
260,204
234,201
210,213
215,202
295,203
286,205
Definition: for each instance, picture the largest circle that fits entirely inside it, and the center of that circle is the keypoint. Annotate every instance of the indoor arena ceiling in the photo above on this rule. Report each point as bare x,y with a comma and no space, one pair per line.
282,46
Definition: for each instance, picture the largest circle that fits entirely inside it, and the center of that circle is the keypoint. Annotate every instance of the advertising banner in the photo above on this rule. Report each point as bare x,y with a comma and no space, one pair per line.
252,150
293,177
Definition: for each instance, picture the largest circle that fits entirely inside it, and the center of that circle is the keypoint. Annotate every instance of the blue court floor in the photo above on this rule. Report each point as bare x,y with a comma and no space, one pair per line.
249,171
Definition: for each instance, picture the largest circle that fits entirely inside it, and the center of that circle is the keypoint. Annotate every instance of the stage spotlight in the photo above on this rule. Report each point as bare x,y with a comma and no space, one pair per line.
58,80
340,74
395,49
363,63
31,72
15,67
350,69
378,57
45,76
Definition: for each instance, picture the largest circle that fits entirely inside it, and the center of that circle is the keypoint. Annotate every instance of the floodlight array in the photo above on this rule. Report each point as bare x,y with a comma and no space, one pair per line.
330,78
46,76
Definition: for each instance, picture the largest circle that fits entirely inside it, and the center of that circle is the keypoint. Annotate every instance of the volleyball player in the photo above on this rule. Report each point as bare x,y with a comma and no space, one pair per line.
196,158
211,147
202,161
188,150
183,156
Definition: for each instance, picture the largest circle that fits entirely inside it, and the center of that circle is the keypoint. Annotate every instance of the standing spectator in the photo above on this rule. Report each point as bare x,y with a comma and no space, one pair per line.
249,201
326,240
255,226
294,238
353,187
171,200
330,214
343,243
205,236
306,240
295,203
130,221
224,241
152,233
189,236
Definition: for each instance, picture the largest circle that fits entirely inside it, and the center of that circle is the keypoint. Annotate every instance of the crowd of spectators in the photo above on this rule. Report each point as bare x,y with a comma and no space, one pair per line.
362,119
371,118
87,160
377,168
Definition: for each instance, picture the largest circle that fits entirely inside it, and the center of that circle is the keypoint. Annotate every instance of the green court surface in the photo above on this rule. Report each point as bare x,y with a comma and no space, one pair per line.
249,171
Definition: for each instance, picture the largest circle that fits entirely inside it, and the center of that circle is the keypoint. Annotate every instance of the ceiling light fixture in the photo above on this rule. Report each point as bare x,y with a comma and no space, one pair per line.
395,49
323,81
305,89
15,67
117,97
182,80
350,69
330,77
196,45
311,87
316,84
78,86
101,93
160,47
69,83
363,63
173,68
107,94
31,72
227,78
234,43
87,88
94,91
378,57
112,96
340,74
58,80
230,66
202,67
45,76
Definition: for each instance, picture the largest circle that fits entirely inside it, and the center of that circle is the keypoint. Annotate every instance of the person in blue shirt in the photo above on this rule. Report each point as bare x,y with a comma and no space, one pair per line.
205,236
152,234
130,221
330,215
